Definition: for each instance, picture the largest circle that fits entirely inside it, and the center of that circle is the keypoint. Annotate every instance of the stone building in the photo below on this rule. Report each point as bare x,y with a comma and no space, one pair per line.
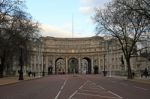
76,55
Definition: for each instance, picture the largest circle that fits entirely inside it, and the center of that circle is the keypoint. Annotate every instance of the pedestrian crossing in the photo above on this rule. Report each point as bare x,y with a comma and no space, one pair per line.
90,90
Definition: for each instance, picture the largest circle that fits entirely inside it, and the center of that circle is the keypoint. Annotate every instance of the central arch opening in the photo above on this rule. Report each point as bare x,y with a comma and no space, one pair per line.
73,66
60,66
86,65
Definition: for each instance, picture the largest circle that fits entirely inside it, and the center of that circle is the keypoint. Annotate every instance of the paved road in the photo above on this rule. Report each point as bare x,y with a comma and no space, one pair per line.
76,87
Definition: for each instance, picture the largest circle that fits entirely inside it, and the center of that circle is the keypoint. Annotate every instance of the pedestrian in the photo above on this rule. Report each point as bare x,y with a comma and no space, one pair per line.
146,72
29,73
19,72
133,74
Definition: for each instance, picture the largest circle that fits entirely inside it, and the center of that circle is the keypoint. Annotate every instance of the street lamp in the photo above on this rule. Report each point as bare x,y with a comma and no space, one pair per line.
39,41
106,52
104,66
21,64
43,57
106,47
109,56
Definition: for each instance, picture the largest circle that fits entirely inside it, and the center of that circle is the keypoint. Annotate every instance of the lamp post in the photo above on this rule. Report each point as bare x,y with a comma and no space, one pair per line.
42,55
21,64
104,68
109,56
39,54
106,52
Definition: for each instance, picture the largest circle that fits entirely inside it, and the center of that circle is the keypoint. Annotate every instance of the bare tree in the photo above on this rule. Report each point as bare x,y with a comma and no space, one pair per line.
17,30
6,9
140,6
122,23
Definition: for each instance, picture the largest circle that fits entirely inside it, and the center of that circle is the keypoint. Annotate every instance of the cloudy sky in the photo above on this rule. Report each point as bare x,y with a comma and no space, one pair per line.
55,16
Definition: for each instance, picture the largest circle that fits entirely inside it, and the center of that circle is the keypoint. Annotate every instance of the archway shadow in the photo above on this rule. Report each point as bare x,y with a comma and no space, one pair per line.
89,69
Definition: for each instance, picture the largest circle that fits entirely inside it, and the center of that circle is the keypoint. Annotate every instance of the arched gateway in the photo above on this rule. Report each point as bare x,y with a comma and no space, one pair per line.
73,55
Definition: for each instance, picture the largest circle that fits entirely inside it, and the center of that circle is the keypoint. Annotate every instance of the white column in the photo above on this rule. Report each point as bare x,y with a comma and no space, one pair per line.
42,64
79,59
92,65
110,63
34,69
46,64
53,64
107,60
99,64
39,61
66,69
31,65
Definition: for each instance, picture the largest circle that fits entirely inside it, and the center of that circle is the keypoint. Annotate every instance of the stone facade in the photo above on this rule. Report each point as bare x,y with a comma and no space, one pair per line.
76,55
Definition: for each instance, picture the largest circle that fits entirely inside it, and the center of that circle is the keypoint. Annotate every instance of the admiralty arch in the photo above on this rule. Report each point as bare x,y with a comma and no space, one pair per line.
76,55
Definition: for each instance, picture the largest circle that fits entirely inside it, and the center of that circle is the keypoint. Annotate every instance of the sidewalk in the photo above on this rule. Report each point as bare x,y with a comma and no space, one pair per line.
142,80
137,79
10,80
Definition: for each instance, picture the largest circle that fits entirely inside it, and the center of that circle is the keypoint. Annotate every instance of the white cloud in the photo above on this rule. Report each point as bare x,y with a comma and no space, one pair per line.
87,6
87,1
56,31
86,10
94,2
49,30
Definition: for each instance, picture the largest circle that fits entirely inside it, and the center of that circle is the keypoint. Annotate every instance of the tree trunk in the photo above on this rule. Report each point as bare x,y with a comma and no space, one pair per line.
129,69
2,67
1,71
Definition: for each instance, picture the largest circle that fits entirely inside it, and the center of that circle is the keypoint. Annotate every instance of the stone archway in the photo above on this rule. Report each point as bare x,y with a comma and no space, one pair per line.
59,66
86,63
84,66
73,66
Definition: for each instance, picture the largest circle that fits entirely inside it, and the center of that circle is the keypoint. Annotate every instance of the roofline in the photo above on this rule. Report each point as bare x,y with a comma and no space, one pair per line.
77,38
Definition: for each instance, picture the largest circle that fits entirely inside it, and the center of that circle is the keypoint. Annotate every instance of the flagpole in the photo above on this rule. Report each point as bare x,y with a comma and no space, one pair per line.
72,25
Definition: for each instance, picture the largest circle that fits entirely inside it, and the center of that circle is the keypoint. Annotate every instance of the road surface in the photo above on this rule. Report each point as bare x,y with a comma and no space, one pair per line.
76,87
